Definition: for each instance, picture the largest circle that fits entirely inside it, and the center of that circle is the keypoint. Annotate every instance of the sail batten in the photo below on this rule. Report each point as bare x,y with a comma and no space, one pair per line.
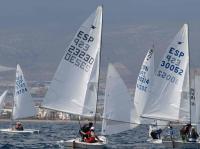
76,90
166,94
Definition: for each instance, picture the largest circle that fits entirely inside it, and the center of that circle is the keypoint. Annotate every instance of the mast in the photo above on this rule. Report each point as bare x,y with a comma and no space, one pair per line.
13,104
98,84
189,78
12,120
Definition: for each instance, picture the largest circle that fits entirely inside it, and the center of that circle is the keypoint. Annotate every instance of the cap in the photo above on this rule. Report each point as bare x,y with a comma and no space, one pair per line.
92,128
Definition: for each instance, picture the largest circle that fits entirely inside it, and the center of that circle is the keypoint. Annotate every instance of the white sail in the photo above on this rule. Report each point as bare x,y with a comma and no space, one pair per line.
196,112
92,88
184,113
23,103
165,99
2,98
144,82
73,88
119,111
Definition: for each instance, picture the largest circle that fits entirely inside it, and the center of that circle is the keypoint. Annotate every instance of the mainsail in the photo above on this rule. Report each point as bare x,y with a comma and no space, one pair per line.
184,115
167,88
144,82
119,111
196,111
23,104
2,98
74,85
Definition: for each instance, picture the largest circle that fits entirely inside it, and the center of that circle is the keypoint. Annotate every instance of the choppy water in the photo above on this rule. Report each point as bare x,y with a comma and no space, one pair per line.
50,132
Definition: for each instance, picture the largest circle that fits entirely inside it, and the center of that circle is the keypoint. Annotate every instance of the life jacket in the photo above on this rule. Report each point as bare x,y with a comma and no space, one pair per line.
90,138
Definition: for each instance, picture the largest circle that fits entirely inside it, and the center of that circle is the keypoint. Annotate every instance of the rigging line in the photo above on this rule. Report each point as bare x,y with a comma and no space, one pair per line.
189,76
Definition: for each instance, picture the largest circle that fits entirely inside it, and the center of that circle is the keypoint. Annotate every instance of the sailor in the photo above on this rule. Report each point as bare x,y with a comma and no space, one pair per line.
170,132
19,126
155,134
85,128
193,135
91,136
184,132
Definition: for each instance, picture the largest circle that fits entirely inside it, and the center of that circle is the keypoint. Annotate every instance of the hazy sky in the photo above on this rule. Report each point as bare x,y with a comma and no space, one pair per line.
35,33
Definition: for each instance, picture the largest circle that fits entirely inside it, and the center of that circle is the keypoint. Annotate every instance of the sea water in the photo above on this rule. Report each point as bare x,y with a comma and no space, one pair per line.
51,132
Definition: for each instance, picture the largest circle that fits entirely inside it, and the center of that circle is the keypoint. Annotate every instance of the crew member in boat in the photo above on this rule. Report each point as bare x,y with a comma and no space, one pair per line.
193,135
184,132
155,134
170,132
19,126
84,129
91,136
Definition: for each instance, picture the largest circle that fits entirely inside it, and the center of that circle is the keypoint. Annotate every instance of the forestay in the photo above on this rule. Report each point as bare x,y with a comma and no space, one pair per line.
23,104
2,98
143,86
119,111
166,93
74,85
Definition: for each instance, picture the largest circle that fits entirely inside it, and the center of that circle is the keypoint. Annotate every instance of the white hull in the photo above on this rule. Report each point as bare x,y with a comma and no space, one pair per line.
76,143
181,144
17,131
154,141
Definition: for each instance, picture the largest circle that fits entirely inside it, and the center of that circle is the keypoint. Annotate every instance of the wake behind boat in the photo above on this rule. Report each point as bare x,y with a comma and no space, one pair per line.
23,105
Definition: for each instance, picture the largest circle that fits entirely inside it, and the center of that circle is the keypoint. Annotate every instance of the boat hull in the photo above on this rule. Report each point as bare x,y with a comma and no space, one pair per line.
76,143
155,141
17,131
181,144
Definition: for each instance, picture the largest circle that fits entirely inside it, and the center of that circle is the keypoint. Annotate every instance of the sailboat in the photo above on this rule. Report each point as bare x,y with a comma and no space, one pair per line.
195,117
119,111
143,91
74,86
165,99
2,98
170,98
23,105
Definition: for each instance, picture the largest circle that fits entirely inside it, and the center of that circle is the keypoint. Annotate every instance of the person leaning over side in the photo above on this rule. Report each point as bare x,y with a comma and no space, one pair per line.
91,136
84,129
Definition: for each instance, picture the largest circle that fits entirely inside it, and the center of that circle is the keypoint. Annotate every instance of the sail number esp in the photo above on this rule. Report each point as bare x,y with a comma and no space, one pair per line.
77,53
172,63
